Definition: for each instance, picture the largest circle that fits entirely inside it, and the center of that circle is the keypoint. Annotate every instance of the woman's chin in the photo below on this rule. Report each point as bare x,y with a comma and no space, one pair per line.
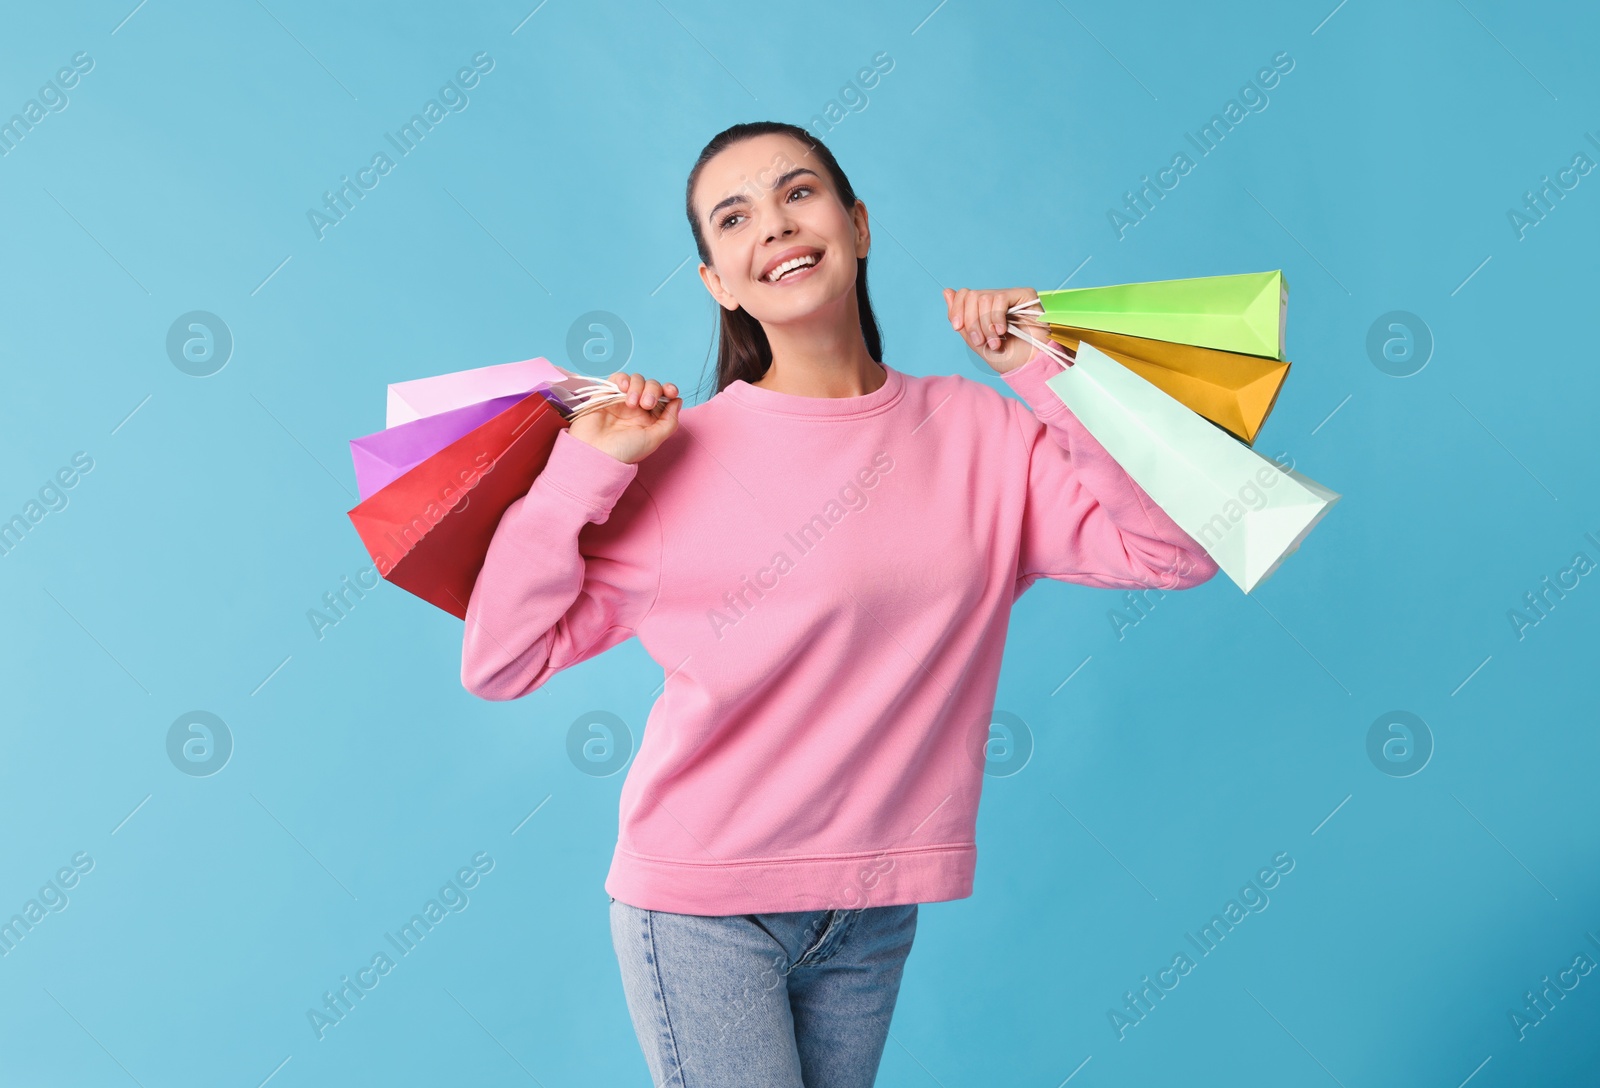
810,301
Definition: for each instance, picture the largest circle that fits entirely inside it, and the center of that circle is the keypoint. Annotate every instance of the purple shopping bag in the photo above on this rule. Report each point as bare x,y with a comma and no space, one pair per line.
386,456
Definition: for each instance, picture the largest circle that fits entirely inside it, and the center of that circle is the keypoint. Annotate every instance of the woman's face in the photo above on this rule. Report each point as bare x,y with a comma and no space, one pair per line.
762,203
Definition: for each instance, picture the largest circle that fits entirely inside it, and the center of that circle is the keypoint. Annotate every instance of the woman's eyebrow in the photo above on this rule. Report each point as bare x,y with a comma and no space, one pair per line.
740,198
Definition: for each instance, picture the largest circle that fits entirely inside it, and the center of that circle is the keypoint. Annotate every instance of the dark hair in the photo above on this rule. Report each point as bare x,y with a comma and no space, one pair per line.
742,348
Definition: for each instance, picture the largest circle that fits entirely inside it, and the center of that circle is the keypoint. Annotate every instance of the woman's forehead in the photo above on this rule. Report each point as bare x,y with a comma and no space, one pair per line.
751,167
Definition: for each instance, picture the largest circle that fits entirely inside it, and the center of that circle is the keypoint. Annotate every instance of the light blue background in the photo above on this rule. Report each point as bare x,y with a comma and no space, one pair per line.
1218,732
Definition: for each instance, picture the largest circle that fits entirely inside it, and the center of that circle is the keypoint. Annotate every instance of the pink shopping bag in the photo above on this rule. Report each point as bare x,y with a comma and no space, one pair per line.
430,396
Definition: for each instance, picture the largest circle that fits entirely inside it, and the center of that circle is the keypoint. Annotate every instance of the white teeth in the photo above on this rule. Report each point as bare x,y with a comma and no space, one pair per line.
789,266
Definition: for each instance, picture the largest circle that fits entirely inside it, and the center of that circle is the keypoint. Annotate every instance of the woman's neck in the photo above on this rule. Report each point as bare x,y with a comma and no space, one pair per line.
829,361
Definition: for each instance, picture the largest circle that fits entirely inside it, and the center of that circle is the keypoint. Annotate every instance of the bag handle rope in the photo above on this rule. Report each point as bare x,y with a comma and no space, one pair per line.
1033,308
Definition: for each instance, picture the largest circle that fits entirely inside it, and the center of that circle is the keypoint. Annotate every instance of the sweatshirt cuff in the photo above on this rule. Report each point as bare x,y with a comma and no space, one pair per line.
588,476
1028,381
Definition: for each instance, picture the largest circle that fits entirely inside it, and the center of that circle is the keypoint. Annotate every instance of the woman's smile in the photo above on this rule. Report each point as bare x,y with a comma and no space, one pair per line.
791,269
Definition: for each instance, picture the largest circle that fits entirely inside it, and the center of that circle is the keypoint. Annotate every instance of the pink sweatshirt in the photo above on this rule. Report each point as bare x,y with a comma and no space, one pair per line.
826,583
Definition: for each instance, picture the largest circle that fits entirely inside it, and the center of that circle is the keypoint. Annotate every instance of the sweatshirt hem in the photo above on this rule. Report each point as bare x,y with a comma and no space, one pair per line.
927,874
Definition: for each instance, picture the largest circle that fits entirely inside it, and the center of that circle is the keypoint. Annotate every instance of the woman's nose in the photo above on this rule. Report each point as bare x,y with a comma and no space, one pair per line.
779,223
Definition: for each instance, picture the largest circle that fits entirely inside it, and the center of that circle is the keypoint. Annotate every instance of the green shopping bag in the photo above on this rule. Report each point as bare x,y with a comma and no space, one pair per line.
1244,313
1247,512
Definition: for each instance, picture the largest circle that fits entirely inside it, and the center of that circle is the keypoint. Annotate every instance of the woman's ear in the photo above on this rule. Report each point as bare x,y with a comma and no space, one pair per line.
858,215
713,284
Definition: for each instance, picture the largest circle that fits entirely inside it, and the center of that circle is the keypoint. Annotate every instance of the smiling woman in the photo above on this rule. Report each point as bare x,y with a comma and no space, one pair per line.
804,780
792,316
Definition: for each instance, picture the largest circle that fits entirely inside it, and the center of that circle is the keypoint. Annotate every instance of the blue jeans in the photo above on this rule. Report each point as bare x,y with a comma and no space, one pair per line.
796,999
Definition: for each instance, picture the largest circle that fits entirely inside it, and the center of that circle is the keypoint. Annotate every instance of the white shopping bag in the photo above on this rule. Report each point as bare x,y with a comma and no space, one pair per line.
1249,513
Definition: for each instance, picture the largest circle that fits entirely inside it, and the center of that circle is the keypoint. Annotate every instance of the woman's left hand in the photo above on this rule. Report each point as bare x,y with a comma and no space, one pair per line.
980,317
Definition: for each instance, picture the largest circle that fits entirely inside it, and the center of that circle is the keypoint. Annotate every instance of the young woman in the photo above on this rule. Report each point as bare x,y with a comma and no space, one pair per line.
822,557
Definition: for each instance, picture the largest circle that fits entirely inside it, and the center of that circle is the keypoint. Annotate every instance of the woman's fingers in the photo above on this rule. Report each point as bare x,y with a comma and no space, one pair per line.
669,415
1020,295
664,421
656,399
982,317
993,327
973,322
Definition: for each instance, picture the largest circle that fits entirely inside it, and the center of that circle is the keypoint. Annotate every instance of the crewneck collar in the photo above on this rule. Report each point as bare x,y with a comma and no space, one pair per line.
791,404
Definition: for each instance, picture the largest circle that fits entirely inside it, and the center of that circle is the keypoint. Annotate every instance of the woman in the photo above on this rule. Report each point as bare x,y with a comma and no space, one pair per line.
822,557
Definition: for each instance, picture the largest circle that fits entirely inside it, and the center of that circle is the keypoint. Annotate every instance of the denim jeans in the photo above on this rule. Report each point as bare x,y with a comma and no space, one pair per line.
796,999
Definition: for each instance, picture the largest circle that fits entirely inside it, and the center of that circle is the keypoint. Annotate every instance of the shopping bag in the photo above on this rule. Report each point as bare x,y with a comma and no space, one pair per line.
1246,313
440,393
383,457
1247,512
1234,391
429,530
452,474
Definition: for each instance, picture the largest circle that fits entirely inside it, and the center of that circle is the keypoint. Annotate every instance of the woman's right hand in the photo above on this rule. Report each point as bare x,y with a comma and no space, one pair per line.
631,430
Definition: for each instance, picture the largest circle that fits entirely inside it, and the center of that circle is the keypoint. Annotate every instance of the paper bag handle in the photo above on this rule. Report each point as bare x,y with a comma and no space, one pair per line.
1031,309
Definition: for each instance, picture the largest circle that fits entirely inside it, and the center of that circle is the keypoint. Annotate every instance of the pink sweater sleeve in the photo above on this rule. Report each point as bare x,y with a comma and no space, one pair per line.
572,569
1086,520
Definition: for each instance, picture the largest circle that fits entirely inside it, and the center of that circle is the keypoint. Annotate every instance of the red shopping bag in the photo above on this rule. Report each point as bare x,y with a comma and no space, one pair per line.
429,530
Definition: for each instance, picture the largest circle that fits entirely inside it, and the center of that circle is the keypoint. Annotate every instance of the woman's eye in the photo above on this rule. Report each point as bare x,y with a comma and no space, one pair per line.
728,219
